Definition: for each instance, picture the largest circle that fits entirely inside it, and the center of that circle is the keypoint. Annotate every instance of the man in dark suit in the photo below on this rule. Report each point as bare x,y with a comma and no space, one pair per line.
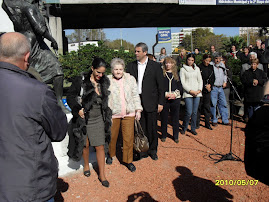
149,77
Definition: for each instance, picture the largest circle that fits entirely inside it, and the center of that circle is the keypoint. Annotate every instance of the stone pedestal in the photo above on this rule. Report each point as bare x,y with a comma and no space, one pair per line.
66,165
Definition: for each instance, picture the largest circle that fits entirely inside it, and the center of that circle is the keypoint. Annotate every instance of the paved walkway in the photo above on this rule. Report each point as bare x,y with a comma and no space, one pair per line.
184,172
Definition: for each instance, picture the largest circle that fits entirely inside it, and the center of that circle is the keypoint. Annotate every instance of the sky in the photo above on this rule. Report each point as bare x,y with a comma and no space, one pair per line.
148,35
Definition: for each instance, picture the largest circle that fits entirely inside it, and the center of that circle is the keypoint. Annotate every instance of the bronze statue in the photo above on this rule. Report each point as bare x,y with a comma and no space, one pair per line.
28,20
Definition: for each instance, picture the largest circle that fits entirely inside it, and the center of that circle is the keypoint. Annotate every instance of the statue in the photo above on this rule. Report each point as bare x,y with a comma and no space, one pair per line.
28,20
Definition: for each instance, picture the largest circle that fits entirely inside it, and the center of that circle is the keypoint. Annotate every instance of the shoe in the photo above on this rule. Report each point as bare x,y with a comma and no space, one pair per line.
197,127
194,132
163,139
209,127
183,132
131,167
214,124
87,173
154,157
105,183
109,160
176,141
226,124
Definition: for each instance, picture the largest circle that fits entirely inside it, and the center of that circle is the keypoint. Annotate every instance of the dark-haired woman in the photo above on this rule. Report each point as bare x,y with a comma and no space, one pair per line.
94,110
173,90
192,84
208,77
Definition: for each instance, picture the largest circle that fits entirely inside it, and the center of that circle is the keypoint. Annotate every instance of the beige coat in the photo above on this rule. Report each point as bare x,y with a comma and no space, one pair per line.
132,99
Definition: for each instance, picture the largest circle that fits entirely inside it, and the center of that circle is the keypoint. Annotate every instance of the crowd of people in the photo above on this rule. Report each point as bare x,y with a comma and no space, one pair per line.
102,106
147,87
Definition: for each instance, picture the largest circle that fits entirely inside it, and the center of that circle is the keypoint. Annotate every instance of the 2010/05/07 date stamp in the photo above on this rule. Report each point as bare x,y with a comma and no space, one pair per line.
236,182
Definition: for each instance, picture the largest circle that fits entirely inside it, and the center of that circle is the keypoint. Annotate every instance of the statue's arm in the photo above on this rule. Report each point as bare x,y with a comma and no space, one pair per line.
38,23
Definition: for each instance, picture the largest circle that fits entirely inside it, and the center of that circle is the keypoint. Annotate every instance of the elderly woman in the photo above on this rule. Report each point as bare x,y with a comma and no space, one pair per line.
253,80
125,104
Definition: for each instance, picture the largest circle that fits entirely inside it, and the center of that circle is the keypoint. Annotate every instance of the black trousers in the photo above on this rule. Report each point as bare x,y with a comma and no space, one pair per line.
204,106
173,106
148,123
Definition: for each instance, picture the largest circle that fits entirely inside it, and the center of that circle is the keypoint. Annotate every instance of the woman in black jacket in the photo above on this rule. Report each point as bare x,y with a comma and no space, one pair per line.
208,77
173,91
94,110
253,80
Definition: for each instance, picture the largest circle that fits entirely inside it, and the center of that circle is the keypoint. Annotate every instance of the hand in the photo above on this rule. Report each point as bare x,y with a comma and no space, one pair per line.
54,45
138,115
208,87
192,92
81,113
255,82
160,108
171,96
224,85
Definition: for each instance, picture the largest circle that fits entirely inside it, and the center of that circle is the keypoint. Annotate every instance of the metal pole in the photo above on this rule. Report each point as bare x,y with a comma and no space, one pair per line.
191,42
248,37
153,47
121,37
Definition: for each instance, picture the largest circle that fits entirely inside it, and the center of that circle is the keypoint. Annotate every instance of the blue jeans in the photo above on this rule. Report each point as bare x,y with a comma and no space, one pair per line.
218,98
191,106
251,108
51,200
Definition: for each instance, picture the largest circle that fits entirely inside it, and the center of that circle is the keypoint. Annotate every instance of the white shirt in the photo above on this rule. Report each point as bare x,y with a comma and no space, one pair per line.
141,71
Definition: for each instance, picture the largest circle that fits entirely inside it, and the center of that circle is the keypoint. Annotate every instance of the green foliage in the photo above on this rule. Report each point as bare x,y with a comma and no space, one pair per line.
198,59
74,63
235,65
236,40
118,43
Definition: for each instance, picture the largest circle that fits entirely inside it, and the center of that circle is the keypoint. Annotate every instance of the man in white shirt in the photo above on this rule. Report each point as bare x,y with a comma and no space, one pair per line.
149,77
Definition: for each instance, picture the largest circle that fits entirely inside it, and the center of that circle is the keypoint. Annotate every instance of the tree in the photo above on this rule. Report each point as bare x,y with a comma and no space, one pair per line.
202,39
237,41
116,44
76,62
86,35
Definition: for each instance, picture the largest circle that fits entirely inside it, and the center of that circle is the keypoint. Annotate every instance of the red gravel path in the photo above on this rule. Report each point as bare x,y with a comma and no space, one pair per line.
184,172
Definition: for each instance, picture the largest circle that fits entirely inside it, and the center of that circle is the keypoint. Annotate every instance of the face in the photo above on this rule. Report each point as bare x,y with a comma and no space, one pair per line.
217,60
233,48
212,49
207,61
118,71
258,43
140,55
196,51
190,61
168,66
252,57
246,50
254,66
98,73
163,51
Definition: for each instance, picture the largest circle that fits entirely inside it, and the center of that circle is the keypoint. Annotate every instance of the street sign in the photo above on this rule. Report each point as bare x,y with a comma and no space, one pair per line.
164,34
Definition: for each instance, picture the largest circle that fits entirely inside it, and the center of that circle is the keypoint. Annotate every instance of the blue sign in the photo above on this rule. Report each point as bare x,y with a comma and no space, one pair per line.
164,34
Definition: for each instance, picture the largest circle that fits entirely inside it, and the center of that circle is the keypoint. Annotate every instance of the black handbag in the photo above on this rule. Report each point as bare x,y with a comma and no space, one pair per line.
141,143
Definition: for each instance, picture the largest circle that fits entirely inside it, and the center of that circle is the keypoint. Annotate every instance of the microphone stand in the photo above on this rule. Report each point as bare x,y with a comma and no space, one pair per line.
230,156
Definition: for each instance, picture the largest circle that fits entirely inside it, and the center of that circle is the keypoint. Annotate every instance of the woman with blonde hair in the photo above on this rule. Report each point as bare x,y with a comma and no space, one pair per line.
125,104
173,90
